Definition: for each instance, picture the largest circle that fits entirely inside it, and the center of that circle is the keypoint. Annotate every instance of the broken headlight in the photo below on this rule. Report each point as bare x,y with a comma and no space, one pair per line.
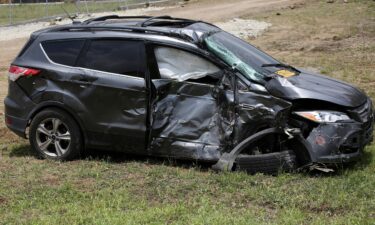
324,116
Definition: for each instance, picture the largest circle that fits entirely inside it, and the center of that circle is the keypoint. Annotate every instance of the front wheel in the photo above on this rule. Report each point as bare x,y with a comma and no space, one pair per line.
55,135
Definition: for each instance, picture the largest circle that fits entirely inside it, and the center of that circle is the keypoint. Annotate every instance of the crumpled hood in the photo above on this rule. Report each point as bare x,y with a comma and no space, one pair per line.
307,85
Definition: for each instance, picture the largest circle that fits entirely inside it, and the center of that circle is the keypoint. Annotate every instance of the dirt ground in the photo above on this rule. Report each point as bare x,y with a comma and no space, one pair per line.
221,10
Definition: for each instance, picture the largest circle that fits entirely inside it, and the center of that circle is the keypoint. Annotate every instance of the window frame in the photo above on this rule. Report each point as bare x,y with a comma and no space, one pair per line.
85,47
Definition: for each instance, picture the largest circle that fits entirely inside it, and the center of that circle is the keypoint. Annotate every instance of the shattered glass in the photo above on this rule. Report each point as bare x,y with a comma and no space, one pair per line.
231,59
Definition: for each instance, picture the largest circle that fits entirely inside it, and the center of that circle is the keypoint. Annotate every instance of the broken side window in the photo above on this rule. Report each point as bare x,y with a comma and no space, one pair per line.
181,65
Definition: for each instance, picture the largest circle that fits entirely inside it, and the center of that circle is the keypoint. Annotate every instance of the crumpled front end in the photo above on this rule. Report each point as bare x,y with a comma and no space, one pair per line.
340,143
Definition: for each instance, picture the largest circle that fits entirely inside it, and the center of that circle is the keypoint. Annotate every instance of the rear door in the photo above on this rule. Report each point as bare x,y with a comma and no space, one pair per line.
114,93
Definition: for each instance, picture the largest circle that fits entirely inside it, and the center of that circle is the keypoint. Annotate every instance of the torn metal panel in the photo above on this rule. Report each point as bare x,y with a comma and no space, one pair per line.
187,114
195,32
258,111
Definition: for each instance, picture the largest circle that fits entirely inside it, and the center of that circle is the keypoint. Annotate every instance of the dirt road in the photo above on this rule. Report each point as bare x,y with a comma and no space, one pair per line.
221,10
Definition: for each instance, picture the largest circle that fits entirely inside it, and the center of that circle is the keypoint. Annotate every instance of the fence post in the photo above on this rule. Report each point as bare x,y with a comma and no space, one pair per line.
46,8
87,8
10,13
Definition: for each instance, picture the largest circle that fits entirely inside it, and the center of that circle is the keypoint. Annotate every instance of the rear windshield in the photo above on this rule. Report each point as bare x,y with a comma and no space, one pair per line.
63,52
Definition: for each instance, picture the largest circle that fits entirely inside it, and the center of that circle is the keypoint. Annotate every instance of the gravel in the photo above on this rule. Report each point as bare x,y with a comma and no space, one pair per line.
244,28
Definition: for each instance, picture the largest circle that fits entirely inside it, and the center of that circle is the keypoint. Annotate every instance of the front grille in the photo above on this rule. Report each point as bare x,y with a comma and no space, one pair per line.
363,113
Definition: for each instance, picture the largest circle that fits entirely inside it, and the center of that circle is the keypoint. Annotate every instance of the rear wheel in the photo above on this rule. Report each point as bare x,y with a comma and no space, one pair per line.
55,135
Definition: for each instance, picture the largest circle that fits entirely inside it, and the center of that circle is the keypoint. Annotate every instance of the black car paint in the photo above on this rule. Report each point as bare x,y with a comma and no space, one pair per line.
307,85
179,119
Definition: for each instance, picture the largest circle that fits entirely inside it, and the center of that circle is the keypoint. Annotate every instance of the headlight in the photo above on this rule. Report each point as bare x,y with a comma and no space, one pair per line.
324,116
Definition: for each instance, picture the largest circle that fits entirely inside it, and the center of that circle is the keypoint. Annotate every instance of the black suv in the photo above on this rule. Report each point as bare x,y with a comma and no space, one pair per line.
179,88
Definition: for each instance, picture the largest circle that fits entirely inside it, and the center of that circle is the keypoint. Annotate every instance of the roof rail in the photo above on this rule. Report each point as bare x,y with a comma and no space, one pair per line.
143,24
109,17
118,28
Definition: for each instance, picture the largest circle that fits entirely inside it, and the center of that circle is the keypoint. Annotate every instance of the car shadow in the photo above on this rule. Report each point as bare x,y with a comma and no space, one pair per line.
118,157
22,151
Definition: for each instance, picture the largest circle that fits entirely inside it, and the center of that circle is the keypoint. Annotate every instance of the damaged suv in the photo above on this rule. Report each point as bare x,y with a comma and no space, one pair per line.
179,88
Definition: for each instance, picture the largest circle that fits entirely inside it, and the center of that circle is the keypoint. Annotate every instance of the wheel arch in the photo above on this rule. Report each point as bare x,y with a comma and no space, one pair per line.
58,105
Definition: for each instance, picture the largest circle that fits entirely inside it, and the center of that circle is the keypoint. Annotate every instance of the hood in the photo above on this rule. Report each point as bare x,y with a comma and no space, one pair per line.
308,85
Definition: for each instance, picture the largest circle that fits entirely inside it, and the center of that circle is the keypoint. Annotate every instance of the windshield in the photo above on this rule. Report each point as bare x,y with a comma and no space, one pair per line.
240,55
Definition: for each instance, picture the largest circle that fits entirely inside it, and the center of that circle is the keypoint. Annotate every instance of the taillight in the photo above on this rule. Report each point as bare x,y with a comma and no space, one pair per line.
16,72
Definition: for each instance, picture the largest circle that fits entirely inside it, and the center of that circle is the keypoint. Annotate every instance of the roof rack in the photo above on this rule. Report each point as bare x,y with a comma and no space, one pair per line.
109,17
143,24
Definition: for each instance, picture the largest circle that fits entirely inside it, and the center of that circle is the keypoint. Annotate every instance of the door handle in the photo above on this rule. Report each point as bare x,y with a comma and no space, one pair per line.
84,80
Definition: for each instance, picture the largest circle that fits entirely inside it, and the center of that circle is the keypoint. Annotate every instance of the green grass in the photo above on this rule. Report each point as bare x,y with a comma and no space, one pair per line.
26,12
128,191
119,189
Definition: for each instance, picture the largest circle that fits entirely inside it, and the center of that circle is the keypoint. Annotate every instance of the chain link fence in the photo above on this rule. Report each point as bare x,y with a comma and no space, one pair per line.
13,12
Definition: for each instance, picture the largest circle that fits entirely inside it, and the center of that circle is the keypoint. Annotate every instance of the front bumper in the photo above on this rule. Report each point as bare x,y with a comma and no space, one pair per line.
339,143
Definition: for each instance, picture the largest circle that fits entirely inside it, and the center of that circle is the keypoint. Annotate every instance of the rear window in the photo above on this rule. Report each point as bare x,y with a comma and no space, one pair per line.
115,56
63,52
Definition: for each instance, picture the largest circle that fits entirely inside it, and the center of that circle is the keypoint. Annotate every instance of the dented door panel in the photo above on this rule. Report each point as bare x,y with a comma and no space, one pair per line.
201,121
186,116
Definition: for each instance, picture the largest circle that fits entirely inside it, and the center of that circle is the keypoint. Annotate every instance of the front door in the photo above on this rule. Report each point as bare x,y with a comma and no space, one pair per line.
188,120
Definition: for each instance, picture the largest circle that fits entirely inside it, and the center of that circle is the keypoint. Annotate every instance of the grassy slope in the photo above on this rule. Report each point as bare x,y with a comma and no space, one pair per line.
133,191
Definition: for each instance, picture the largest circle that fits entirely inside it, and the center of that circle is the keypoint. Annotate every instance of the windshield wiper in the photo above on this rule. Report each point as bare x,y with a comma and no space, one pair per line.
281,65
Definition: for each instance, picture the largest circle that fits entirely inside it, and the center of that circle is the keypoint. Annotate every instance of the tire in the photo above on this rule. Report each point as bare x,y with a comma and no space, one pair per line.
271,163
54,134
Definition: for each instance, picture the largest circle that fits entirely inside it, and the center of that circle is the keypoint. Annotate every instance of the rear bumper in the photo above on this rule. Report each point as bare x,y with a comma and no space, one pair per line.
17,125
18,107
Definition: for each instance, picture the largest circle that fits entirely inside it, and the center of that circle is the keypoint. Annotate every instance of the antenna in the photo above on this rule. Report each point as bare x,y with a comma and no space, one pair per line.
66,12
